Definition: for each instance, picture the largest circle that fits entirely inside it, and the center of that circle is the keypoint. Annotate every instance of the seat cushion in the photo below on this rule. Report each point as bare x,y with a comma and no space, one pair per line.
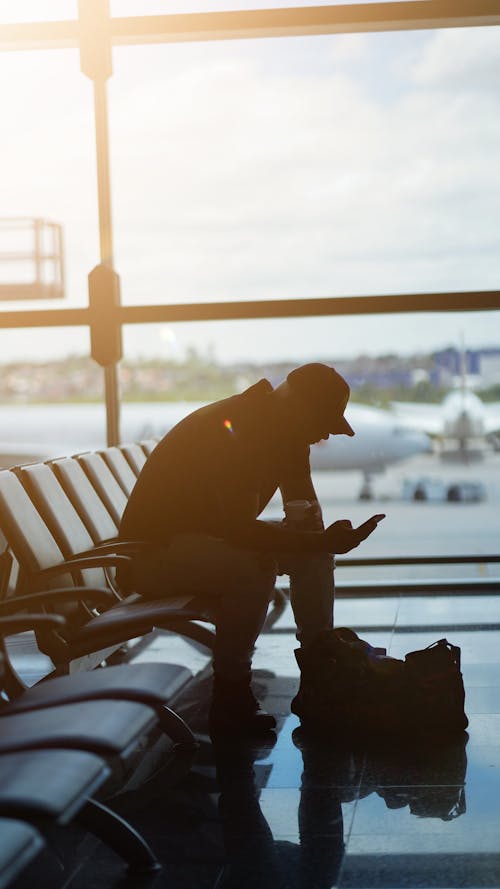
53,783
152,684
94,726
136,617
20,844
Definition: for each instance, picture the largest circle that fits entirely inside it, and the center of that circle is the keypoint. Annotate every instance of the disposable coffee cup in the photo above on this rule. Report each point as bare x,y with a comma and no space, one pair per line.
297,511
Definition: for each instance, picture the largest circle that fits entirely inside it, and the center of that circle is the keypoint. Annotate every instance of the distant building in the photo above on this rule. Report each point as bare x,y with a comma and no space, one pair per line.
489,367
479,365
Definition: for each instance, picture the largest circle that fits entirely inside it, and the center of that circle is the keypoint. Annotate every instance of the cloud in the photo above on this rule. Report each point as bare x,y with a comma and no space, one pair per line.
262,181
465,59
277,168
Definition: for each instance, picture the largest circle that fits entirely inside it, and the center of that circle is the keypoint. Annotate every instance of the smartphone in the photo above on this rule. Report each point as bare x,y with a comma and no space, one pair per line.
374,518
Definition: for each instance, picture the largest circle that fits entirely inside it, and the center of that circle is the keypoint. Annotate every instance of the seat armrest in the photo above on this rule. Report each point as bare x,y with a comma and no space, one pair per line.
80,562
121,547
9,626
90,595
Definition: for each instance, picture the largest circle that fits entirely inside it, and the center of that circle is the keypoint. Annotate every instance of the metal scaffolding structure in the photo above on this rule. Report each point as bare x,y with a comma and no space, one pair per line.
32,250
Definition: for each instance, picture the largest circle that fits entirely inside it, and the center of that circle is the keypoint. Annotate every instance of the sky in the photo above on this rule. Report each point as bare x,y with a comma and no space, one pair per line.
284,168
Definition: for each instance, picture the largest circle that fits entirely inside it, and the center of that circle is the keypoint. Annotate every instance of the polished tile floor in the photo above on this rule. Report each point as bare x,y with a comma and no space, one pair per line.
301,815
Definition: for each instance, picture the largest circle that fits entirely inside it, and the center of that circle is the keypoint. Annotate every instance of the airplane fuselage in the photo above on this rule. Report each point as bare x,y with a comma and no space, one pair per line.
463,416
45,431
379,441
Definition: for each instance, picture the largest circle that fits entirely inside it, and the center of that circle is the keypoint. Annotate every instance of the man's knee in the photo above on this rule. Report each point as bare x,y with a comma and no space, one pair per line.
325,560
257,572
307,563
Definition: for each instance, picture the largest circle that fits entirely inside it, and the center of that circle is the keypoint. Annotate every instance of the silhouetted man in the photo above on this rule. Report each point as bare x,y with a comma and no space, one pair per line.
199,497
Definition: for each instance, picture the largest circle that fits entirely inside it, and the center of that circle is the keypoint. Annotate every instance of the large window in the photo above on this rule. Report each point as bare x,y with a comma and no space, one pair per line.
319,166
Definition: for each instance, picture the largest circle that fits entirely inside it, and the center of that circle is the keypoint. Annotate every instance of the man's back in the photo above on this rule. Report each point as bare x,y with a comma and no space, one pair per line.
201,472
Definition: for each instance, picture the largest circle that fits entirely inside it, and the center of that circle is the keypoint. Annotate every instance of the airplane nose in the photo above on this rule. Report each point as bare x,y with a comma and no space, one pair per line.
412,441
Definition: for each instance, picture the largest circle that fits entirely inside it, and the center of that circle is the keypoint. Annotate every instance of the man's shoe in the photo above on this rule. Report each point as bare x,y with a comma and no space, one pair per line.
308,703
235,709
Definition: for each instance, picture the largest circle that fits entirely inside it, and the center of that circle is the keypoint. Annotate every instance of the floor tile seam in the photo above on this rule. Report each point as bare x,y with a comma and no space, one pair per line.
338,882
412,629
492,833
432,832
392,635
429,627
441,786
348,833
396,616
83,861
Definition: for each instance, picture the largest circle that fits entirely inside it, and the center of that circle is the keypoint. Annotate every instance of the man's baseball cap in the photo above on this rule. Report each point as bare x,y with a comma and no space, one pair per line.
325,392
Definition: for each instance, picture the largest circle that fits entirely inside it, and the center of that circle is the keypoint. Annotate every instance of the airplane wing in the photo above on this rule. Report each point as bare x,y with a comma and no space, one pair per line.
431,417
426,417
491,417
41,432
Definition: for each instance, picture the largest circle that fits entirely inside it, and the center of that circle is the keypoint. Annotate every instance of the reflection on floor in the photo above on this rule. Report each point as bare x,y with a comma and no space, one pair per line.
297,815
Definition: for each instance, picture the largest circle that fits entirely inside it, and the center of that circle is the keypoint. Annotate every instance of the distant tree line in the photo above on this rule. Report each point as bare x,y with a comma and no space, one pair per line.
374,381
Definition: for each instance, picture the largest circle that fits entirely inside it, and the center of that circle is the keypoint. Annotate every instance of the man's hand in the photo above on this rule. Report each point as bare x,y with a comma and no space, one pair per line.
341,537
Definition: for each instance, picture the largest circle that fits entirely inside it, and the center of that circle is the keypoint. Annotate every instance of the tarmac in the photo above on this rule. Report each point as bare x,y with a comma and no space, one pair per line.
417,528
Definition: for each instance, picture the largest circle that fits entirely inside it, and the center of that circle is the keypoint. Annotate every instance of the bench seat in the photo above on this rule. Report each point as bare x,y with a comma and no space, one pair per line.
20,845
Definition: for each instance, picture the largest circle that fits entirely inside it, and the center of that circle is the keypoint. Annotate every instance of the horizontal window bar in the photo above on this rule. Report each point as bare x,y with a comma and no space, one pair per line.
417,560
389,589
469,301
45,318
430,587
306,21
261,23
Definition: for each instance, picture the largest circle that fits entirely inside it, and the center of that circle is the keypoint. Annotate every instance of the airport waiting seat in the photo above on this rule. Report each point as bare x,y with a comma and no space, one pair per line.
52,761
92,488
53,788
152,684
94,725
71,509
87,633
120,467
21,844
134,454
49,788
148,445
46,770
114,731
105,484
43,562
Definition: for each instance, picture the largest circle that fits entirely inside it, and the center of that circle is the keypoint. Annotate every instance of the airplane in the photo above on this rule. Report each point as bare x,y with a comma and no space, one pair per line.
42,432
461,417
379,442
